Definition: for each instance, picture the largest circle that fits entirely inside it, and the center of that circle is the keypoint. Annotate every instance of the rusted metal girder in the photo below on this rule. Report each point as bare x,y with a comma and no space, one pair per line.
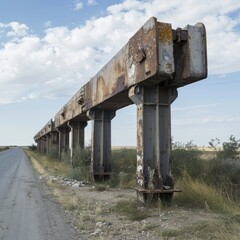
147,71
156,54
48,128
46,138
153,137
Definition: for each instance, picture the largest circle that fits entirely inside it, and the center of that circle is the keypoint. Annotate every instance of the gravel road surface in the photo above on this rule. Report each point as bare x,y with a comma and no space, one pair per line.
28,210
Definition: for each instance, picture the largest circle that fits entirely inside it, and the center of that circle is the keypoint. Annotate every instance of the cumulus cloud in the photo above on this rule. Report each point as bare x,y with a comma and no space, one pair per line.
62,60
78,6
14,29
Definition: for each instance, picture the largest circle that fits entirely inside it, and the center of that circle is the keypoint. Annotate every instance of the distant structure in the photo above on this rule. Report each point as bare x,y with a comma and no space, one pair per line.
147,72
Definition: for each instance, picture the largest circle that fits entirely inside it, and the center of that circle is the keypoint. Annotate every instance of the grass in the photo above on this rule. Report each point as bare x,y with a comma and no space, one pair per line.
211,229
223,213
196,193
100,187
132,209
45,165
3,148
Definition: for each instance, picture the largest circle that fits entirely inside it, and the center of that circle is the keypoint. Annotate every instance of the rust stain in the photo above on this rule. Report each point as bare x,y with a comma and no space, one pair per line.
136,64
120,85
165,33
100,88
169,66
118,69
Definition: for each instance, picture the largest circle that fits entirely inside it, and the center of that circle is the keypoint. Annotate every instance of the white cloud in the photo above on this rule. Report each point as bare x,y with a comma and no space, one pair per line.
195,107
78,6
91,2
207,121
14,29
61,61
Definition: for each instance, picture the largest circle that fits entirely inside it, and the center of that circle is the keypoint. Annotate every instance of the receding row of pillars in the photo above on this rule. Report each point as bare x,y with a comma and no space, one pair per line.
153,136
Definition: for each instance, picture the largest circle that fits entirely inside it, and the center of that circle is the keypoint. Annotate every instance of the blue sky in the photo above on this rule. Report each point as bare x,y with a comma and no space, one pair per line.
49,49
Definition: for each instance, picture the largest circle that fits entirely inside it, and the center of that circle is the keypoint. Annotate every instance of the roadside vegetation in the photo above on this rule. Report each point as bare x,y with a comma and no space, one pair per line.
209,179
217,171
3,148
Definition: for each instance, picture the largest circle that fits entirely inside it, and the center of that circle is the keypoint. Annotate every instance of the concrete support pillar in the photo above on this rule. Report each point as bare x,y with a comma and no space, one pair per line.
63,140
54,139
153,135
38,145
77,135
41,145
53,144
48,143
101,143
44,144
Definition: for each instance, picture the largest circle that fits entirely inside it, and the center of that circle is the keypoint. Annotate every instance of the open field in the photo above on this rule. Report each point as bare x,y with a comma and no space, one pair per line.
101,212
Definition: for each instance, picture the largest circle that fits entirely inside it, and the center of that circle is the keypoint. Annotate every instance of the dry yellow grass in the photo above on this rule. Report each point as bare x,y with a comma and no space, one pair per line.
197,193
44,166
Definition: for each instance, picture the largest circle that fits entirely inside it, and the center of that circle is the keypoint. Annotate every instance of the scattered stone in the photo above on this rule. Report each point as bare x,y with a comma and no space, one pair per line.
109,224
99,224
96,232
66,181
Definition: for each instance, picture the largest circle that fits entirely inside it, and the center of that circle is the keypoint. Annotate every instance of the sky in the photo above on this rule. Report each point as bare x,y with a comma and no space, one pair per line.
49,49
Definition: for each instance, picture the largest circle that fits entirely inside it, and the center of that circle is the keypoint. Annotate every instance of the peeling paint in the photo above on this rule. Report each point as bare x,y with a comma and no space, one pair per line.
146,71
140,175
151,53
149,25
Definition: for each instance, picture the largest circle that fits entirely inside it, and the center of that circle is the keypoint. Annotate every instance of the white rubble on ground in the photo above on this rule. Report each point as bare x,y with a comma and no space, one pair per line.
65,181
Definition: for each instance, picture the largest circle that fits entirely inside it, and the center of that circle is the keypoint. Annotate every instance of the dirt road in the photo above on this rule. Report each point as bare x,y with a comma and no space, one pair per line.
27,208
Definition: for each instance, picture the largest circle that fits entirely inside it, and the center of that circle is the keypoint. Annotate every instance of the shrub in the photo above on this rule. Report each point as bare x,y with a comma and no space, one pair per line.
33,147
223,171
187,158
4,148
230,149
53,153
225,175
80,163
123,167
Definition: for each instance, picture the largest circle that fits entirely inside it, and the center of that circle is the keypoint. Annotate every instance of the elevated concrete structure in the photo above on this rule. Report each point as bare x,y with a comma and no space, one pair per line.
147,72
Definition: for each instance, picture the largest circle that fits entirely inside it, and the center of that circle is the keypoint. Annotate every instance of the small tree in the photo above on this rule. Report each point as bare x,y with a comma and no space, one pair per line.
231,148
214,143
